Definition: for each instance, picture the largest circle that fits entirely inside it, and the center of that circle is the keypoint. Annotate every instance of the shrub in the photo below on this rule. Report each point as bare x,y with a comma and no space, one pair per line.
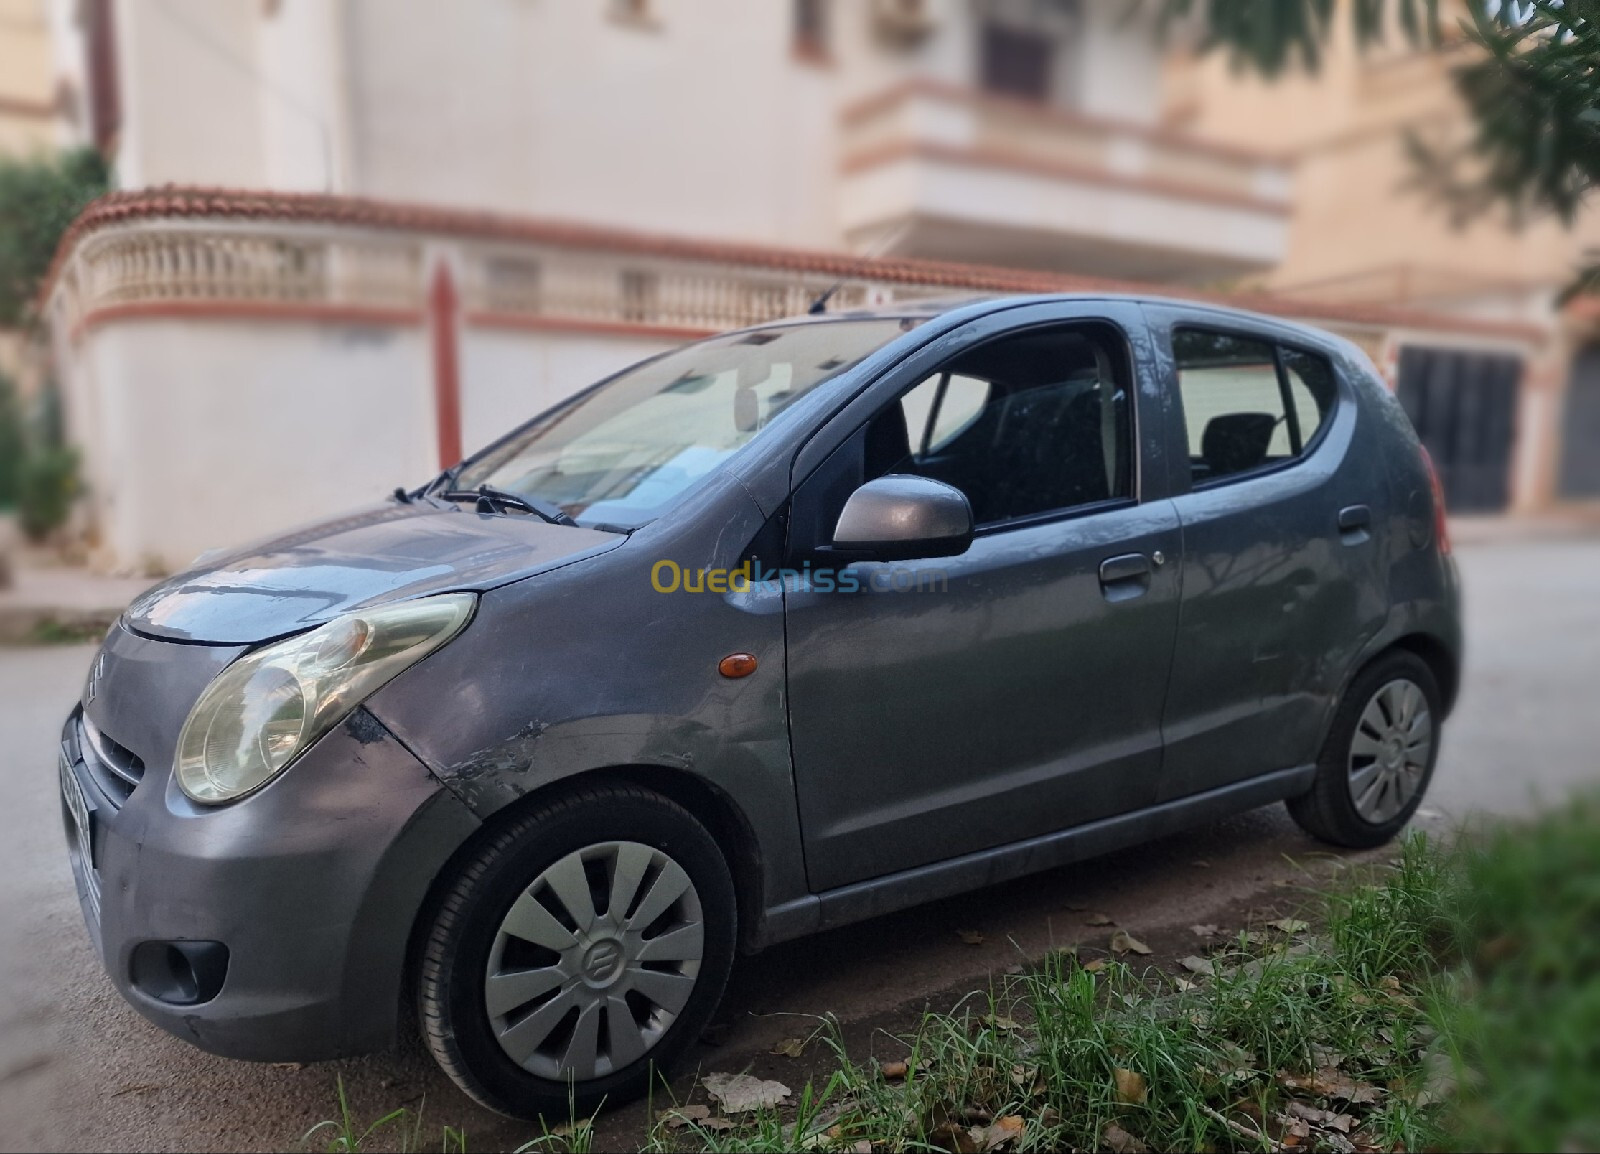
48,486
13,444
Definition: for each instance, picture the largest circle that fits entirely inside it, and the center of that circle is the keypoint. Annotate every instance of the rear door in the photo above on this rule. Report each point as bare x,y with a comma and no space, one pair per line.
943,707
1280,515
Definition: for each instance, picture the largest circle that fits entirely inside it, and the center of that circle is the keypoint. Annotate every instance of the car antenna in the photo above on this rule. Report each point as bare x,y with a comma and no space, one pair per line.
884,244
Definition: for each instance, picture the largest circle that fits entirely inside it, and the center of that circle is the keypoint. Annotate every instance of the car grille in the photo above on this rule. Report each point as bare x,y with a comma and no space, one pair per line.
115,769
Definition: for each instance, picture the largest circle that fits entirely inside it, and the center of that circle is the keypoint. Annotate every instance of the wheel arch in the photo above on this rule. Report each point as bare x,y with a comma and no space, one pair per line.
1437,656
727,824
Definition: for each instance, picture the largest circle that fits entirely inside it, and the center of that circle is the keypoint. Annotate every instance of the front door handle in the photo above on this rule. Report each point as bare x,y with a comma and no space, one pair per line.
1354,523
1125,576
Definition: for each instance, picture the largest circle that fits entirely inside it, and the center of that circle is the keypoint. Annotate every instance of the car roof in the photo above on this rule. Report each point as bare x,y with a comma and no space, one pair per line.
981,304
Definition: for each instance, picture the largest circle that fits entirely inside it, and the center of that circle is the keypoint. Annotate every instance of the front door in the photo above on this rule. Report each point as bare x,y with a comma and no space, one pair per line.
943,707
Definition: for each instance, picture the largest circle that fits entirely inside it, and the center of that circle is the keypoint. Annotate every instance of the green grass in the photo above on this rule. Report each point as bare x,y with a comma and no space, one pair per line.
50,631
1447,1000
401,1129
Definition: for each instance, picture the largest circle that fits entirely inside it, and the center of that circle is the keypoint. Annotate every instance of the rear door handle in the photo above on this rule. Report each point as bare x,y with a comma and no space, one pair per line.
1124,576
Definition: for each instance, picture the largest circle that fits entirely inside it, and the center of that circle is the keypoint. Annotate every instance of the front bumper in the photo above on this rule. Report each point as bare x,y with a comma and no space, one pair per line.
312,885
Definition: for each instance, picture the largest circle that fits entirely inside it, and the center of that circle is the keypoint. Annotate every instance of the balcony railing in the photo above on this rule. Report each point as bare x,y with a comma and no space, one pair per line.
952,122
239,254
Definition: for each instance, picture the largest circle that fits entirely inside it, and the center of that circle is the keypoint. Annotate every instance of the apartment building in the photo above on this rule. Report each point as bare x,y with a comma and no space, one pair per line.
442,218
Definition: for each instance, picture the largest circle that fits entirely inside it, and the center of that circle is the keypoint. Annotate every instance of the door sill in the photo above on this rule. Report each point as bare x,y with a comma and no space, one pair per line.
898,891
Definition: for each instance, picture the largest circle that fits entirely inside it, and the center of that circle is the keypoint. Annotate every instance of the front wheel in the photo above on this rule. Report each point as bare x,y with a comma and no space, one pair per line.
582,947
1378,757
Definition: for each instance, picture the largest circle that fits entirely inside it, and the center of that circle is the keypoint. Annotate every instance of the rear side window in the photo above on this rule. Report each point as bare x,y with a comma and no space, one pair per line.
1248,404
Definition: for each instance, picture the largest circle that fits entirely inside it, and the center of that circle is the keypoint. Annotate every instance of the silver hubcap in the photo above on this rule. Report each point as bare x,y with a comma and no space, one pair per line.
1389,753
594,961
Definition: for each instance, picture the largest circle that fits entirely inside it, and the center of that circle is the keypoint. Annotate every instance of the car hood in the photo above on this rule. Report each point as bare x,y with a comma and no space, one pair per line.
389,553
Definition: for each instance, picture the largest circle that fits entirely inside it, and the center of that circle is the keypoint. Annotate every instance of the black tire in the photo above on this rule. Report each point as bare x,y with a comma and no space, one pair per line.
456,951
1329,811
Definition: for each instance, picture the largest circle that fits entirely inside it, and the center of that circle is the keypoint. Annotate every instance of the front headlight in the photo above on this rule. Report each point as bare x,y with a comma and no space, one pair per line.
266,709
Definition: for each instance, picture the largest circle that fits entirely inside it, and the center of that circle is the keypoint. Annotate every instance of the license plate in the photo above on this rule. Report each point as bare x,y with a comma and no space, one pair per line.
78,806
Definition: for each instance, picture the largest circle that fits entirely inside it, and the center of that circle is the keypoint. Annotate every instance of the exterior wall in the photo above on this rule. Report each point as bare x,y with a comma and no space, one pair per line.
27,79
190,94
206,434
697,122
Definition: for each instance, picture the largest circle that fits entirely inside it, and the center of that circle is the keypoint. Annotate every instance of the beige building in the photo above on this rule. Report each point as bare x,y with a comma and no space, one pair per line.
458,214
1362,232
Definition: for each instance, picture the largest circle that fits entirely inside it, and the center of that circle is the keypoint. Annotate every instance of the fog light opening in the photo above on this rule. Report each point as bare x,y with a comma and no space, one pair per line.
179,973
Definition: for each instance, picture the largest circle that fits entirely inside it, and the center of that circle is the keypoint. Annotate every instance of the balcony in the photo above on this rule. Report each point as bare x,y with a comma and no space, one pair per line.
957,175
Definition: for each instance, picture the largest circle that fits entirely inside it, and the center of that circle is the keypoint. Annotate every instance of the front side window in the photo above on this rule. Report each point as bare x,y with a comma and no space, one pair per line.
620,455
1247,404
1027,425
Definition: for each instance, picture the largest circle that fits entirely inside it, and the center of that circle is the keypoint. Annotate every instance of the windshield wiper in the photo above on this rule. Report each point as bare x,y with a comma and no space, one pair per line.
491,500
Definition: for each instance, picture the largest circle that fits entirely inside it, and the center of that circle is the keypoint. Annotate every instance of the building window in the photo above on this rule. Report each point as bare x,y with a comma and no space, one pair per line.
1017,61
811,29
637,12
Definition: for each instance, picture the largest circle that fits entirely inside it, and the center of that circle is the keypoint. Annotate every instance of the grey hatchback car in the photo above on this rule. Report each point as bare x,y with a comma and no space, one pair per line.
784,629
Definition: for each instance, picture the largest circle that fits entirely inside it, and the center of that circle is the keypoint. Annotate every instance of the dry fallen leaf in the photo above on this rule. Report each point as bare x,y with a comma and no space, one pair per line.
680,1116
1290,925
1122,942
1119,1141
1198,966
1326,1056
971,937
790,1048
740,1093
1099,920
952,1137
1203,931
1131,1088
1438,1080
1328,1082
1000,1132
716,1124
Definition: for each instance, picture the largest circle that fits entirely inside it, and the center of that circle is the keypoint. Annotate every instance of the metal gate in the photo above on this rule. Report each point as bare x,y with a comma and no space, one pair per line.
1580,429
1464,405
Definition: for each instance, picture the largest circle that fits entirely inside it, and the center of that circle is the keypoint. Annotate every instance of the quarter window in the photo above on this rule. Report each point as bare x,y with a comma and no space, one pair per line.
1247,405
1026,425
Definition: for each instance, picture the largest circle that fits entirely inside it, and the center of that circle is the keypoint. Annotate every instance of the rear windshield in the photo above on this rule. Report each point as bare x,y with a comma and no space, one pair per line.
617,457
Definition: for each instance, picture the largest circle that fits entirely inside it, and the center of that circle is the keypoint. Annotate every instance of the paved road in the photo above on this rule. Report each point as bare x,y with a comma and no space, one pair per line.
79,1070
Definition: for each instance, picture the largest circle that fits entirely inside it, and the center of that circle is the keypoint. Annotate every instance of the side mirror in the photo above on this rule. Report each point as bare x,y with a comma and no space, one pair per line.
903,518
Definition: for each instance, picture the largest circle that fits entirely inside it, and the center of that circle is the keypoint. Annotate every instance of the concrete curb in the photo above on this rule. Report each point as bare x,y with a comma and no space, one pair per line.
62,604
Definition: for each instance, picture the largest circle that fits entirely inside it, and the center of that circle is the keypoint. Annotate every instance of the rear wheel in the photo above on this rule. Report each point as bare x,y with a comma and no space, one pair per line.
1379,755
582,947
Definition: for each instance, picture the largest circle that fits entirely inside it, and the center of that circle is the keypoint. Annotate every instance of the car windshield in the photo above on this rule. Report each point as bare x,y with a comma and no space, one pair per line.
620,454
